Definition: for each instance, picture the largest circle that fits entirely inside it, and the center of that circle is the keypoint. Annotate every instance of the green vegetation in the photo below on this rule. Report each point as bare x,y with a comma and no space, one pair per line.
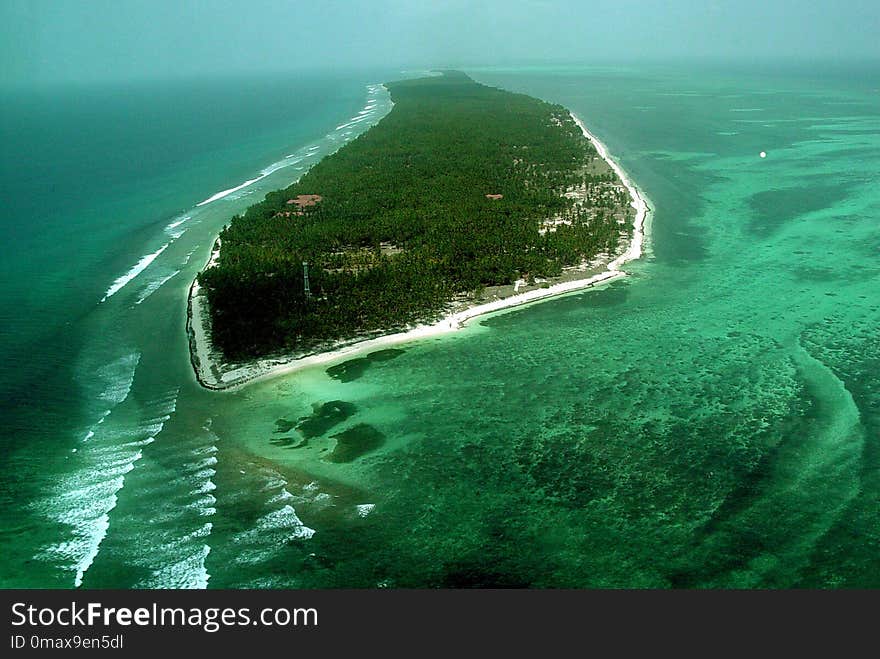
404,223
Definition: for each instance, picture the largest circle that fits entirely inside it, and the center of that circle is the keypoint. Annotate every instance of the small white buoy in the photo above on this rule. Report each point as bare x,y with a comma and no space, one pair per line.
763,154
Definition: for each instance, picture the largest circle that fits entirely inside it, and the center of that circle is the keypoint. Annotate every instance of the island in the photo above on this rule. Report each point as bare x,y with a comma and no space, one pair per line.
463,199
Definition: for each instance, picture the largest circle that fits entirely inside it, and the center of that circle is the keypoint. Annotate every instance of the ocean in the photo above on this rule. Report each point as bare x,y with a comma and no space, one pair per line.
710,421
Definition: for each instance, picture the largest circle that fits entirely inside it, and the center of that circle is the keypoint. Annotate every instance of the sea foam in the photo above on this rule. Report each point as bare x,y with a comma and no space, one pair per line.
224,193
368,112
137,269
154,286
86,496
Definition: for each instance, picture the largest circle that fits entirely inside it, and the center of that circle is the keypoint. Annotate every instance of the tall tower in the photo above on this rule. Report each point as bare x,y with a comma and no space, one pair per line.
306,289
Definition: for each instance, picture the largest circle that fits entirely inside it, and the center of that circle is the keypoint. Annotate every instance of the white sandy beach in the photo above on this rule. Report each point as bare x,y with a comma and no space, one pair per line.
212,373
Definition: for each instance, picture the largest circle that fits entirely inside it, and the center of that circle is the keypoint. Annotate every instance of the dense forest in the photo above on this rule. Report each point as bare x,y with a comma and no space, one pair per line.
459,187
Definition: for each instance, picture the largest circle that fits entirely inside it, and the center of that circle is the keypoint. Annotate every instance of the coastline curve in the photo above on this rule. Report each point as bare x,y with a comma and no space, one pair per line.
208,366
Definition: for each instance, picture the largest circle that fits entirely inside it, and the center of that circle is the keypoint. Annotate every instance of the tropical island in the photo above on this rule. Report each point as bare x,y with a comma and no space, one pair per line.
462,200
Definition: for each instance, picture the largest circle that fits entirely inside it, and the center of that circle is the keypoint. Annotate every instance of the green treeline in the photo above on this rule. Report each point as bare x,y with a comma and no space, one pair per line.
404,224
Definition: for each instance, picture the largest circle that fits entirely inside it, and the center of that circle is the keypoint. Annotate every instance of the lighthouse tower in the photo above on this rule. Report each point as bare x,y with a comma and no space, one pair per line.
306,289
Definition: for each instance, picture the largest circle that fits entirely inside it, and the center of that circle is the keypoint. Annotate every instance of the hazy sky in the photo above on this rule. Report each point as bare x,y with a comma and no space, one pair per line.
112,39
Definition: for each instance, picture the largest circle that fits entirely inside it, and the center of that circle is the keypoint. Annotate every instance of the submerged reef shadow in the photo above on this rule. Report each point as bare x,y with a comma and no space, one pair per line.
772,209
355,442
325,417
353,369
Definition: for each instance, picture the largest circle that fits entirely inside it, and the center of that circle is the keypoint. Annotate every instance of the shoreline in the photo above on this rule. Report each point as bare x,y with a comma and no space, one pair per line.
208,366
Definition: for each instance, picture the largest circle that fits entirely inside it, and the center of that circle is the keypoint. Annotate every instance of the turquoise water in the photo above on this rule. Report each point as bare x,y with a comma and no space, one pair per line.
105,229
711,421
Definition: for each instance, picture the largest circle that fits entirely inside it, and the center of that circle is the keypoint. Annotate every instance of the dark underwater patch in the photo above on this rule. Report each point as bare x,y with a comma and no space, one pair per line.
385,355
355,442
355,368
350,370
283,442
772,209
325,417
283,425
